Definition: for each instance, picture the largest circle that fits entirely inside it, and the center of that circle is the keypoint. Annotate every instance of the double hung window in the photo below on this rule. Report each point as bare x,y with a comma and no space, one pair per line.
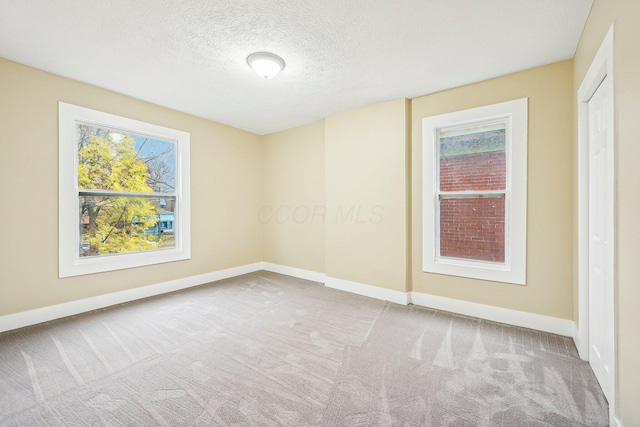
474,207
122,182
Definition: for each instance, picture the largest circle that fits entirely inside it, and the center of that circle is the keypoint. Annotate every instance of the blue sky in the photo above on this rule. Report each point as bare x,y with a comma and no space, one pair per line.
154,147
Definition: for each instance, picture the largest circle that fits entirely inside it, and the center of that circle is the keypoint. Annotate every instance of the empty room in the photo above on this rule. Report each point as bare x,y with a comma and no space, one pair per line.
320,213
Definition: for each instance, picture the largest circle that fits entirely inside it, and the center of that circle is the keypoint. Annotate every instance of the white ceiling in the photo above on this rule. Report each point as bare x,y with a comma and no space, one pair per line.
190,55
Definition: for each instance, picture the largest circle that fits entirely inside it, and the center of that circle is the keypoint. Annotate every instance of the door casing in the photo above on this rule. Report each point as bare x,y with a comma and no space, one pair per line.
601,68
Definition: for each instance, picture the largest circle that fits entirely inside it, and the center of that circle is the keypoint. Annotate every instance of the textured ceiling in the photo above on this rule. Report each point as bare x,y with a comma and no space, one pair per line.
190,55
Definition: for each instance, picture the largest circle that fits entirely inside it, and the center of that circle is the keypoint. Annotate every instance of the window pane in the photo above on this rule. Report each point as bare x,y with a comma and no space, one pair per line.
472,228
473,158
112,225
119,161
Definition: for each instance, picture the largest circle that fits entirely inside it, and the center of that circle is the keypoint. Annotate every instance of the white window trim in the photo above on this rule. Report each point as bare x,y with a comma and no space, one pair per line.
70,263
514,268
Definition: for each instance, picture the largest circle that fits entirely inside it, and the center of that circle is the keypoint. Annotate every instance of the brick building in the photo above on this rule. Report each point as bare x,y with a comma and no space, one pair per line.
472,180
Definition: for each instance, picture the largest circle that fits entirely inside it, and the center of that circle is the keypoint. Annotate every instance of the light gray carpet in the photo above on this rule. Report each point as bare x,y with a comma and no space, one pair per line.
268,350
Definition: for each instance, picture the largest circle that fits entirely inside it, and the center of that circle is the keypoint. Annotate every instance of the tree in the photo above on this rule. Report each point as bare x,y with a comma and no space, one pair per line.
109,161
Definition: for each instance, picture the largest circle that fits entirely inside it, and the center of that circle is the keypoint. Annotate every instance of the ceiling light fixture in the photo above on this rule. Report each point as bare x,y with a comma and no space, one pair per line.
265,64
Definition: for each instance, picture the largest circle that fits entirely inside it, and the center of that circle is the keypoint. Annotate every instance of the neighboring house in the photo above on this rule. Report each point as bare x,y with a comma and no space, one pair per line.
164,225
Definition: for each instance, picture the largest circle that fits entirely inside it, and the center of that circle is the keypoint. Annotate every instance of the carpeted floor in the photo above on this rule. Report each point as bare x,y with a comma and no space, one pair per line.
268,350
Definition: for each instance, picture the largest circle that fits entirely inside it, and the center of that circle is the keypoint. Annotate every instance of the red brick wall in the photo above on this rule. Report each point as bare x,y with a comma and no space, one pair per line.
473,228
484,171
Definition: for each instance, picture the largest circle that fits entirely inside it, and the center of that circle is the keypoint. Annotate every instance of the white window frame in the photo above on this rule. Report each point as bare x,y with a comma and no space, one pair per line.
70,262
513,270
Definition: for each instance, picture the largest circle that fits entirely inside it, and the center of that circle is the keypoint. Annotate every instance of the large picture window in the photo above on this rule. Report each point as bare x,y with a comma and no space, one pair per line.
124,192
475,192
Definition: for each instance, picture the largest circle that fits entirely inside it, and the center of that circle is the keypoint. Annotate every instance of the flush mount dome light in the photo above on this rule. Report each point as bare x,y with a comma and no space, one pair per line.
265,64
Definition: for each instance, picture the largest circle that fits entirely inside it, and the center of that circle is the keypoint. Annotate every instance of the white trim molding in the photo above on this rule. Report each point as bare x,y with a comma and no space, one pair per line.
514,116
313,276
539,322
497,314
367,290
70,261
601,67
52,312
600,72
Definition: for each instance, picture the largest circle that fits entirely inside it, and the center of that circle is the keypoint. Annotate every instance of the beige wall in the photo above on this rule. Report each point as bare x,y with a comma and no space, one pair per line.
366,198
293,207
625,14
226,191
550,191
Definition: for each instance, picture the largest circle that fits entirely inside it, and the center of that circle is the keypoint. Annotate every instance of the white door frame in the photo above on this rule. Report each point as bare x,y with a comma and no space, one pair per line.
601,67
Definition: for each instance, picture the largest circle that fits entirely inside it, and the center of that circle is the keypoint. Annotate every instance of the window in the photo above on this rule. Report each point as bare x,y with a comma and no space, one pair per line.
121,183
474,192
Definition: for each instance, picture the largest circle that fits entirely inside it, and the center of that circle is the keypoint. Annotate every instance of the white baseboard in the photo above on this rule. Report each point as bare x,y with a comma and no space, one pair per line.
539,322
497,314
512,317
45,314
367,290
314,276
